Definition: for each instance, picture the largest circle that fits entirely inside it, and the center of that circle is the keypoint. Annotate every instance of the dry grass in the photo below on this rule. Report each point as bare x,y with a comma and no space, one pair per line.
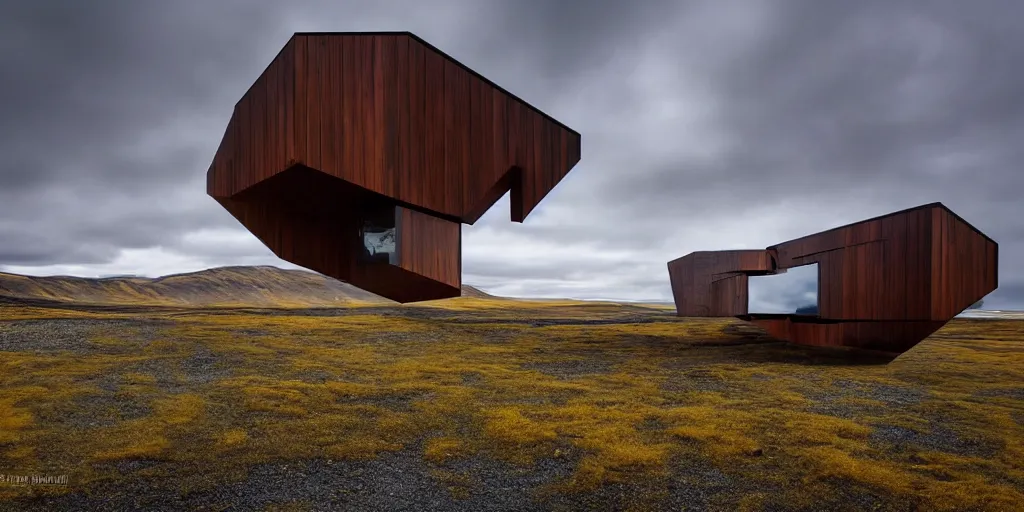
225,286
622,403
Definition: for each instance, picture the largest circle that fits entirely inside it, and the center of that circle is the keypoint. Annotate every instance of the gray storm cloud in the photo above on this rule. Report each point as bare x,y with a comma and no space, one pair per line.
707,125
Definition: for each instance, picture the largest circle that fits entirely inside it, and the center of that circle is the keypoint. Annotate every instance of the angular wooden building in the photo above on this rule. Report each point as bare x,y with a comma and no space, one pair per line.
884,284
360,155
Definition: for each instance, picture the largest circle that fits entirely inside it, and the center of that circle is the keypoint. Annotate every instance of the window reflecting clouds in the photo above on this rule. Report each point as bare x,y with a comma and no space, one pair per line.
794,292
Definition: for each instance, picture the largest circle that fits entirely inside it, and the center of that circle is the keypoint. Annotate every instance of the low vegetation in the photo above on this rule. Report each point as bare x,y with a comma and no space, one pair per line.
218,287
627,405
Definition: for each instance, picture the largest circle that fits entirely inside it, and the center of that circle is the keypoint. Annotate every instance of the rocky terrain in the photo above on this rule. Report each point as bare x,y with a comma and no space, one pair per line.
478,403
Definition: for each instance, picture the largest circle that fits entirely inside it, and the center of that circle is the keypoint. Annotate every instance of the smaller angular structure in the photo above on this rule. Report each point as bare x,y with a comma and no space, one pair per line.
360,156
883,284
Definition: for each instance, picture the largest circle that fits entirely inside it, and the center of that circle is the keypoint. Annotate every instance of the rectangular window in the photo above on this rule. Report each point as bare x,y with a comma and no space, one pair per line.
379,235
794,292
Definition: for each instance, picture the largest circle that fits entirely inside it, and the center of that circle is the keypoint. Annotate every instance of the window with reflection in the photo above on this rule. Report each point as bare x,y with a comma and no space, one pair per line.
793,292
379,234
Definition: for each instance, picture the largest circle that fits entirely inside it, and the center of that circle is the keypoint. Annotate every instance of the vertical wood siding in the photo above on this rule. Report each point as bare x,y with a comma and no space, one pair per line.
391,114
884,283
389,118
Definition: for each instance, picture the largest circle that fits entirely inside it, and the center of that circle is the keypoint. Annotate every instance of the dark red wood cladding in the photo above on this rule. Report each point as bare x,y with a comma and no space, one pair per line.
396,121
423,246
693,278
884,283
893,337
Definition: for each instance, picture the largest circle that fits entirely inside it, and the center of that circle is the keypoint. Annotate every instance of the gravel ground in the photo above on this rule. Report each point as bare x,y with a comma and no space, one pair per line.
694,379
1011,393
569,370
399,481
626,315
830,400
92,411
72,334
894,396
404,480
938,437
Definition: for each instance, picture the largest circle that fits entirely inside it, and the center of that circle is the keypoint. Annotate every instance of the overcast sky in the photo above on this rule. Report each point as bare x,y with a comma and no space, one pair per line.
706,125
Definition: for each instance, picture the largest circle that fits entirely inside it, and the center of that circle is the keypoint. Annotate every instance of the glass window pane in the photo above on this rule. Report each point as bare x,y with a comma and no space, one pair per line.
379,236
794,292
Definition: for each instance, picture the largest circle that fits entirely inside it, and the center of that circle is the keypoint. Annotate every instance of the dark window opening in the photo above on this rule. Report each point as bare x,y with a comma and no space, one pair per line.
379,235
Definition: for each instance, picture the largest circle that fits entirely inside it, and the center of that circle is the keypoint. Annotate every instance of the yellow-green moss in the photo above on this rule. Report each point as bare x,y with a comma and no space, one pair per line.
358,386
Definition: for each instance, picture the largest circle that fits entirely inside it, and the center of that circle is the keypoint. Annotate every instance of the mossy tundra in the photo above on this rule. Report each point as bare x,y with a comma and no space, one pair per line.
633,407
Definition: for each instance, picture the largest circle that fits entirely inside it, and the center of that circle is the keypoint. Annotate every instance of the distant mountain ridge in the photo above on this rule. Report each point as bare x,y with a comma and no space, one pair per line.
257,286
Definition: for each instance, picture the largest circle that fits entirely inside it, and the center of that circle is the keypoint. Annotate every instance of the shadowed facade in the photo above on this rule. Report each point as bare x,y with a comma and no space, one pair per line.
884,284
360,155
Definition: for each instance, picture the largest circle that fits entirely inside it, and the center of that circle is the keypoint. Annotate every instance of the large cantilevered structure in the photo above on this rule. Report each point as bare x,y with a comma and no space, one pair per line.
883,284
360,155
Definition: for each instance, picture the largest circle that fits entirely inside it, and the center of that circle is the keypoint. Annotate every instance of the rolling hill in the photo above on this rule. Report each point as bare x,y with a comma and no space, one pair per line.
261,286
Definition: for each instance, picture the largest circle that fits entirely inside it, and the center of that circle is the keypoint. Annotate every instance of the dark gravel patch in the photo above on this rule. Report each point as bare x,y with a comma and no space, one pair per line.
399,481
496,336
126,467
163,371
616,321
939,438
517,487
830,400
176,373
315,376
395,337
846,495
89,411
73,334
626,316
248,332
391,482
899,396
103,411
696,484
395,402
567,370
433,334
471,378
830,404
1011,393
204,366
694,379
